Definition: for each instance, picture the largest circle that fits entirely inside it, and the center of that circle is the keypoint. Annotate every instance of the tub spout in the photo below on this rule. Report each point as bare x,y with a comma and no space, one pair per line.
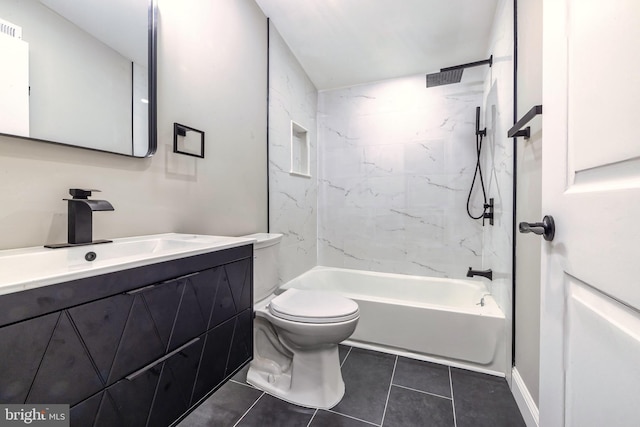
484,273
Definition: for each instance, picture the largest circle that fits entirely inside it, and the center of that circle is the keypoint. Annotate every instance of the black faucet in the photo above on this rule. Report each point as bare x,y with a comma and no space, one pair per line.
80,218
484,273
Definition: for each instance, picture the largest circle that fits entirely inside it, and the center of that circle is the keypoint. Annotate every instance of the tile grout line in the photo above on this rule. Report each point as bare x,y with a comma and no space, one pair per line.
345,357
312,417
395,363
250,408
422,391
352,417
453,402
243,384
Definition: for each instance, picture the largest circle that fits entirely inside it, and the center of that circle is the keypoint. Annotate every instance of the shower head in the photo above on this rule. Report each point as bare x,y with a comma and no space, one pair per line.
451,75
444,78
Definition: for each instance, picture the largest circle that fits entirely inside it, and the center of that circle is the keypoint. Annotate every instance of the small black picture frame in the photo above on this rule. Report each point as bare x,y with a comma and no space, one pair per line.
188,141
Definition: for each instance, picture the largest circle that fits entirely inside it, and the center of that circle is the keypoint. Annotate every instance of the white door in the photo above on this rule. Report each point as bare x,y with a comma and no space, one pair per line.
590,323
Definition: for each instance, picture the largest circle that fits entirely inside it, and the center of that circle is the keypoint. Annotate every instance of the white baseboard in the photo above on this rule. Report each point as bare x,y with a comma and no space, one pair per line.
523,398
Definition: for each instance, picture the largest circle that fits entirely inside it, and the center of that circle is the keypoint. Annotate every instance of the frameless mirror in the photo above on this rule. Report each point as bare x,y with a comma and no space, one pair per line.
80,73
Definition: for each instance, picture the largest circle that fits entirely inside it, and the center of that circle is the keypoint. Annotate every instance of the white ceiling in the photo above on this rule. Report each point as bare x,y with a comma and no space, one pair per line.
122,25
347,42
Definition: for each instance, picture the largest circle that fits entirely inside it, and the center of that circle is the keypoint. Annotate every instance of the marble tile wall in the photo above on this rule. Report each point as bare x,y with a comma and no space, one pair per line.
293,202
396,161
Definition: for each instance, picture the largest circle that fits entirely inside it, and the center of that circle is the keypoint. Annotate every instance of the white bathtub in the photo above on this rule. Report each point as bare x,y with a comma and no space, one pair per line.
438,319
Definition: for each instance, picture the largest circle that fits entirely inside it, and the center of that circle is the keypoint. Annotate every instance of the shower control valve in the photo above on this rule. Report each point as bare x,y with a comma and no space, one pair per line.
488,212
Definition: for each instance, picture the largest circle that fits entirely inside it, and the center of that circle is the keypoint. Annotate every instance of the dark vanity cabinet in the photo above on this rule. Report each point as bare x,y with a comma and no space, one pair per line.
137,347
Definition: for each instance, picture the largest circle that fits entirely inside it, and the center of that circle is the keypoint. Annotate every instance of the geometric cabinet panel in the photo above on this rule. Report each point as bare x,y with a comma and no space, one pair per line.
130,400
140,344
85,412
233,291
100,324
215,355
239,276
119,334
162,301
191,316
127,331
181,337
241,348
43,361
223,306
22,348
66,374
175,386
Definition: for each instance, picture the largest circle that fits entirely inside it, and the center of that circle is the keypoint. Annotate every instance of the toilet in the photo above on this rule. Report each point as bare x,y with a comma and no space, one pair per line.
296,335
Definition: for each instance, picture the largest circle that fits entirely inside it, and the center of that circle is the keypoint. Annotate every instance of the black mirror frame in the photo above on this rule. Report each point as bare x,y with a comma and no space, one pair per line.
153,77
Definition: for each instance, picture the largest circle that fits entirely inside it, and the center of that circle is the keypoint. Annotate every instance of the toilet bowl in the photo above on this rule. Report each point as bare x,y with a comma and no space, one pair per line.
296,335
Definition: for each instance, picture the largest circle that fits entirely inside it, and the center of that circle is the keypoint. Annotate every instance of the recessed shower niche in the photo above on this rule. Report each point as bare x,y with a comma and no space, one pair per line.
299,151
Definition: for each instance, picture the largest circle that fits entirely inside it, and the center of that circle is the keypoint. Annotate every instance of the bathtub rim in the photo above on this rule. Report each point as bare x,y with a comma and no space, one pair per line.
491,308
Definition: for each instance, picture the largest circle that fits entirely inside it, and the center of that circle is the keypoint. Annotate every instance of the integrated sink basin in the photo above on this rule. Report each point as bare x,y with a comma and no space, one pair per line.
22,269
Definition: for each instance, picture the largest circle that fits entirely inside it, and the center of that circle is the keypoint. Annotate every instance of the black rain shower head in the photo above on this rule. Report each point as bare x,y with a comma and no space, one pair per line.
451,75
444,78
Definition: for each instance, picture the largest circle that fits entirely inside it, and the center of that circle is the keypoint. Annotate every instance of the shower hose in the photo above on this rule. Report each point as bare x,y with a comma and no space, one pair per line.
476,173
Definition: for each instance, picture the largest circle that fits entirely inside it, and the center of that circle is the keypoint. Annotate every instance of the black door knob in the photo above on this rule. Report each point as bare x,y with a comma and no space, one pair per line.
546,228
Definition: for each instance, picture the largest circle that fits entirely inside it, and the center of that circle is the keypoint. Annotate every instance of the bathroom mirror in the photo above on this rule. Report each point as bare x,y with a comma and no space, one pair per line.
80,73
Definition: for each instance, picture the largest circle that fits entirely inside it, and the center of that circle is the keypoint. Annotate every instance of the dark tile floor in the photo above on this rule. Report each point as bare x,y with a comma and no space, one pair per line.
381,390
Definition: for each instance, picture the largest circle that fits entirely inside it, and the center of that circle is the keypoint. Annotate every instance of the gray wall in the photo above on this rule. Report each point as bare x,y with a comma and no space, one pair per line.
212,65
528,208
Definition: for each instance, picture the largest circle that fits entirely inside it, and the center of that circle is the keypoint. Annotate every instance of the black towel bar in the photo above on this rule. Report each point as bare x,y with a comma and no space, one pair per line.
517,130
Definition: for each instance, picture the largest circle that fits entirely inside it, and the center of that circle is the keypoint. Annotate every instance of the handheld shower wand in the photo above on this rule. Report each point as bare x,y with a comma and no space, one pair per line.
487,211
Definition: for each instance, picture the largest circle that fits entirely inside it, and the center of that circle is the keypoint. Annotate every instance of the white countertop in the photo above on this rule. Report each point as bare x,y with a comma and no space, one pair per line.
28,268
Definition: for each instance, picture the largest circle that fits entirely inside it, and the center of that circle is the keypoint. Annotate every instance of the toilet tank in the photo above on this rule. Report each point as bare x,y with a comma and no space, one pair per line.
265,264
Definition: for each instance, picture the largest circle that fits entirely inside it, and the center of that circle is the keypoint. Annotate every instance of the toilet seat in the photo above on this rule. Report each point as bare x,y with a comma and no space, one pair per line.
308,306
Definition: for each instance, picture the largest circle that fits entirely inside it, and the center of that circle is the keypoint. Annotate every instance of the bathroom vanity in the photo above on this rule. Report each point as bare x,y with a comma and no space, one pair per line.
128,340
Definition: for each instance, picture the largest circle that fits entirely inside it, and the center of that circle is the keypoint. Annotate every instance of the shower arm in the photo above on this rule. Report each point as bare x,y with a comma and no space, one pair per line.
469,65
